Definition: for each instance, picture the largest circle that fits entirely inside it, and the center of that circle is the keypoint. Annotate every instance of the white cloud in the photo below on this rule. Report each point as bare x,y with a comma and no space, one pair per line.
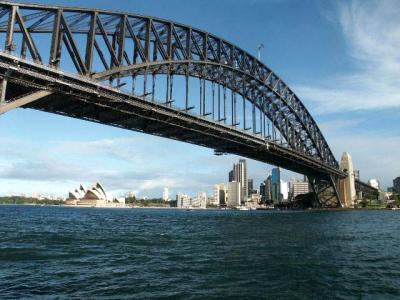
141,163
372,32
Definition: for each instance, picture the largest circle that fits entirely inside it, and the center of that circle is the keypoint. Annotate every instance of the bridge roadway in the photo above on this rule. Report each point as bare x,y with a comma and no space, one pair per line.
29,82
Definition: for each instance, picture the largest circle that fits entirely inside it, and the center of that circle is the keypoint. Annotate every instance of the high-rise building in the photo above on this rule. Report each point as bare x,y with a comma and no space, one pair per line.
265,190
262,191
357,175
165,194
250,187
276,185
234,194
220,194
231,176
239,174
284,192
396,185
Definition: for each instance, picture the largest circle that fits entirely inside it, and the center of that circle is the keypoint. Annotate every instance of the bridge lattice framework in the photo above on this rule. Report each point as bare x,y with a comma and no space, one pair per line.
138,72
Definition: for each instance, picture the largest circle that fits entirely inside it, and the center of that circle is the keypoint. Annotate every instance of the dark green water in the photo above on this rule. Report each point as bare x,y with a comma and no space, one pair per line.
58,252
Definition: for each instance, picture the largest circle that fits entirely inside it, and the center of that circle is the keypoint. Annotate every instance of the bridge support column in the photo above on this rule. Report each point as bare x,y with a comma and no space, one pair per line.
325,188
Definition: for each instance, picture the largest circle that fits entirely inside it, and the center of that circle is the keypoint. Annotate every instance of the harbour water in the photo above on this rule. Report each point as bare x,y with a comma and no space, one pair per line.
60,252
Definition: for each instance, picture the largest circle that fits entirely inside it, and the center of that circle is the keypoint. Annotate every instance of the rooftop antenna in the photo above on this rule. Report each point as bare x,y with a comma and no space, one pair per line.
260,47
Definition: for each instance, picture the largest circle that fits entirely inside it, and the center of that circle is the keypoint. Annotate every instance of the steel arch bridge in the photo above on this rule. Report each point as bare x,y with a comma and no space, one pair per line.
162,78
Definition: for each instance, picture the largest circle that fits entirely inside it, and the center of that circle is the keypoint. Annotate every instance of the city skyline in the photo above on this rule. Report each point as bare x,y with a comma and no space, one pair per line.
54,153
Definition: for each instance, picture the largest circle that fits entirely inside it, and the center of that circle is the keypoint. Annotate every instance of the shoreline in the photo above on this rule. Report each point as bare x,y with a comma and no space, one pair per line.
199,209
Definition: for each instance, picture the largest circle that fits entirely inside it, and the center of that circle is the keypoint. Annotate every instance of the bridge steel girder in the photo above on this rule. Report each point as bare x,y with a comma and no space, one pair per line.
127,45
23,100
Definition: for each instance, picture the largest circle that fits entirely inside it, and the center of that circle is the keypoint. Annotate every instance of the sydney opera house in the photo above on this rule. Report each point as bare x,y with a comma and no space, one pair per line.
94,197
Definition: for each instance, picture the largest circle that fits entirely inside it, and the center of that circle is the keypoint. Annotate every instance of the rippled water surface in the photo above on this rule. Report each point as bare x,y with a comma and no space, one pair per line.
60,252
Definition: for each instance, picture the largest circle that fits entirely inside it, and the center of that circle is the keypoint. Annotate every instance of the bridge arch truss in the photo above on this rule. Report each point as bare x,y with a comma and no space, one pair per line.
169,66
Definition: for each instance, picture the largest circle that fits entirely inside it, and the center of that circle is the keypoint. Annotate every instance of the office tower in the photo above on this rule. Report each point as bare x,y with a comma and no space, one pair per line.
239,174
396,185
262,191
165,194
268,187
220,194
250,187
265,190
284,190
234,194
276,185
231,176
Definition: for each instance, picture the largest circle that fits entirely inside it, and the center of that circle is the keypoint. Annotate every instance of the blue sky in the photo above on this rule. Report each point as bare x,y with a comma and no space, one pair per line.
340,57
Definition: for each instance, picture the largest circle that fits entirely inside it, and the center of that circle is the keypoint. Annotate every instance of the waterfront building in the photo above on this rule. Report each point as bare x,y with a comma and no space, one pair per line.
200,201
220,195
348,187
183,201
396,185
77,194
239,174
94,197
374,183
234,194
165,196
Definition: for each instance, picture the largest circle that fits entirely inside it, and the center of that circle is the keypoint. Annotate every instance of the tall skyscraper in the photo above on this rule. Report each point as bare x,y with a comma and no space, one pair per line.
250,186
165,194
284,194
276,185
396,185
265,190
262,191
239,174
231,176
234,194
